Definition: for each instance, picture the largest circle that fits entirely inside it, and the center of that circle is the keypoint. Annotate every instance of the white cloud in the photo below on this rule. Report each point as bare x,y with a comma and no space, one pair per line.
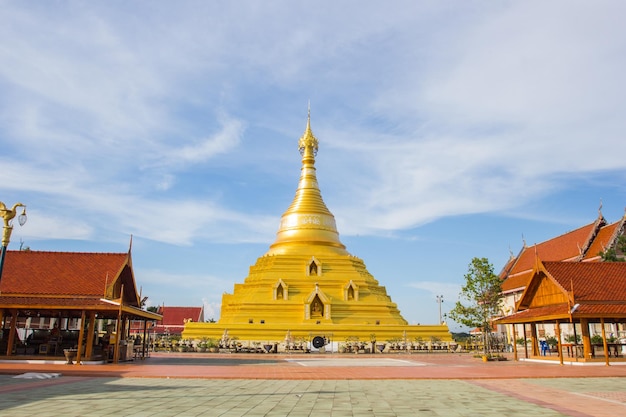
426,111
222,142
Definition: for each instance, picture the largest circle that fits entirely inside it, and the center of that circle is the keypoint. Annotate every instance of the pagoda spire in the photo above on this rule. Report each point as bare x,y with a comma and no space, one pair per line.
307,225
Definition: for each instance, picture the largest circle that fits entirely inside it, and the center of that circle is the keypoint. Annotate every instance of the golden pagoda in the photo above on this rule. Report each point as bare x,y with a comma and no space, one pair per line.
307,286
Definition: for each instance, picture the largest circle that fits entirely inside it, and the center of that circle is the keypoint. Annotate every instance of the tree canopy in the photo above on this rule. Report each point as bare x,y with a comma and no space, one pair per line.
480,298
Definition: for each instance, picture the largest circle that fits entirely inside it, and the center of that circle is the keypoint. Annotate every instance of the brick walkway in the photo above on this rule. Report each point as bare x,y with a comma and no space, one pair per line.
314,385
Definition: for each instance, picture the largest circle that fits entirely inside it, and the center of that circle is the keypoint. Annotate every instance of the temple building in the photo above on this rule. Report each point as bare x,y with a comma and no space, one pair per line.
568,288
308,287
584,244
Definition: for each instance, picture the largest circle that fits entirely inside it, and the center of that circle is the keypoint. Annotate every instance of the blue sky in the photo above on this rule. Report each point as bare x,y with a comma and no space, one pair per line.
447,130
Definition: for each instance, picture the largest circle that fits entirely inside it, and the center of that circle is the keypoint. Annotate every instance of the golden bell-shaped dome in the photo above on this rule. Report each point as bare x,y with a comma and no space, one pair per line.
307,225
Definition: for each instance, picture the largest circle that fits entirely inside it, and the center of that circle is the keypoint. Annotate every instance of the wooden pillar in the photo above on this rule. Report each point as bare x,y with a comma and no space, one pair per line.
559,346
1,323
525,341
12,332
81,336
125,327
533,339
575,342
606,347
116,347
90,334
145,339
584,329
514,344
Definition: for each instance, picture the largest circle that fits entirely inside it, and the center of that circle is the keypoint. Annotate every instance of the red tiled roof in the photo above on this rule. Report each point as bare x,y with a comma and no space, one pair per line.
562,311
176,316
172,330
60,273
599,291
591,281
517,281
537,313
604,309
602,240
47,302
561,248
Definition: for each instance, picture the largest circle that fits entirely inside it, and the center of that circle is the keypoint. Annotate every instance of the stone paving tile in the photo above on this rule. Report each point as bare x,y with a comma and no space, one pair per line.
138,397
184,397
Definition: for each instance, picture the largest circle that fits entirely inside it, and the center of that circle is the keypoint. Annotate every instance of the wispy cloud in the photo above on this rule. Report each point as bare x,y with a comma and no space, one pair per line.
221,142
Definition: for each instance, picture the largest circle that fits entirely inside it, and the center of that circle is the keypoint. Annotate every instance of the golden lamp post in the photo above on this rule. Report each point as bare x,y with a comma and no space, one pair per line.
7,217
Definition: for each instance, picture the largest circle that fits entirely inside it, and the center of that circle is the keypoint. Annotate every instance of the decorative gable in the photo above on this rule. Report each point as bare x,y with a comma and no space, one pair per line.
542,290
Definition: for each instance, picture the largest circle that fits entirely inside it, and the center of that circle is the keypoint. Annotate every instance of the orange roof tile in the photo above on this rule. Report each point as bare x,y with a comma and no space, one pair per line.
603,240
591,281
517,281
537,313
60,273
599,290
560,248
565,247
177,316
66,303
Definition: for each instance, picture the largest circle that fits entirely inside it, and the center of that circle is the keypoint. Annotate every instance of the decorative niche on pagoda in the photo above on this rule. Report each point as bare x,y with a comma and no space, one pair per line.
307,283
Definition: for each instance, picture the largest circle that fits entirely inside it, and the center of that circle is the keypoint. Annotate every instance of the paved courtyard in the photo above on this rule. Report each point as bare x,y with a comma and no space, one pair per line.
428,385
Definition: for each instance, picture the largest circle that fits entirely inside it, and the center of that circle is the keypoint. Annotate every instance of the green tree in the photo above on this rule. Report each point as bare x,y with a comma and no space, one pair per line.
482,294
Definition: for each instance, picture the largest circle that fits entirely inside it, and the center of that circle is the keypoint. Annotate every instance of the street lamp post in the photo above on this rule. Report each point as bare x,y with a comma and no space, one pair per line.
439,301
7,217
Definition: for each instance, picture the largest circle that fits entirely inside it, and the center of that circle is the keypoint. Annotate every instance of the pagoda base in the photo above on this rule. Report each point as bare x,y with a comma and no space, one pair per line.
310,336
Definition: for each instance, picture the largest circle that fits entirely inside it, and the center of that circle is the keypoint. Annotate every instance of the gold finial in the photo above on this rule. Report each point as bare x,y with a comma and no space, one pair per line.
308,139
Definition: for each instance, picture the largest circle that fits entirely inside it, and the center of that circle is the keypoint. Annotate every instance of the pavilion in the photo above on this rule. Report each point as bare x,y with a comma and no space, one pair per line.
49,301
584,244
573,296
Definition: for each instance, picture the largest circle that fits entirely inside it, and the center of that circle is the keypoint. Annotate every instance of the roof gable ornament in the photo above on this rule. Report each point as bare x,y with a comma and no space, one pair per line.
600,209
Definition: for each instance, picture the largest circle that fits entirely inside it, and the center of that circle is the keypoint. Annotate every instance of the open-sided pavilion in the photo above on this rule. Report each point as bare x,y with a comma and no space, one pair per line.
73,302
575,297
